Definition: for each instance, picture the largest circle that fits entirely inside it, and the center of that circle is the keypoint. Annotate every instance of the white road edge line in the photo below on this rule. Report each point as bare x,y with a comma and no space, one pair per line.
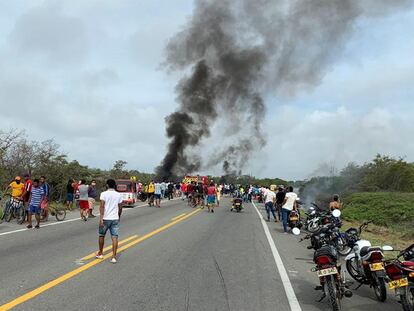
290,293
62,222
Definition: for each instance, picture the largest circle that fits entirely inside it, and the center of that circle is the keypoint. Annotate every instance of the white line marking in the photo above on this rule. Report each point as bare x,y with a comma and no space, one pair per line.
64,221
290,293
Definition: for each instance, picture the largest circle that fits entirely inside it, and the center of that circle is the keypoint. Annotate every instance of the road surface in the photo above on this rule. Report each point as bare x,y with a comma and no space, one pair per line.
174,258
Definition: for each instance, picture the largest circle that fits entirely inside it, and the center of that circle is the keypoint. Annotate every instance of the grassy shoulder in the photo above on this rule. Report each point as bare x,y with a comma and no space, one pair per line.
392,214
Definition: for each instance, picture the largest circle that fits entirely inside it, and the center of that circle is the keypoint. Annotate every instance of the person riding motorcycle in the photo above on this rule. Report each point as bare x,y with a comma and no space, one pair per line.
237,200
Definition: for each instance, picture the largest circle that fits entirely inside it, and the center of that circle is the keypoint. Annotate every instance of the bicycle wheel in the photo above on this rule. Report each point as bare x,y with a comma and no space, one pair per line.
60,214
8,212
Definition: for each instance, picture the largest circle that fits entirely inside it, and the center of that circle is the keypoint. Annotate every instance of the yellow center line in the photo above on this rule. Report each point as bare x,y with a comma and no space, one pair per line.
179,216
92,255
71,274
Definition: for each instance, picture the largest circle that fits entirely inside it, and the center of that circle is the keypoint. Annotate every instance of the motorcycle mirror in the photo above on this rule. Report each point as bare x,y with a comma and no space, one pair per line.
296,231
336,213
387,248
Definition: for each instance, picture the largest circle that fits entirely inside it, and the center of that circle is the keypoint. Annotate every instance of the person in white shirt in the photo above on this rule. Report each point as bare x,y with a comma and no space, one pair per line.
270,200
110,210
289,204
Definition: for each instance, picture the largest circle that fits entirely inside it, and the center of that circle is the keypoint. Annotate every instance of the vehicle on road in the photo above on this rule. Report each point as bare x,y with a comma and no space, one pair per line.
401,277
237,205
128,190
365,264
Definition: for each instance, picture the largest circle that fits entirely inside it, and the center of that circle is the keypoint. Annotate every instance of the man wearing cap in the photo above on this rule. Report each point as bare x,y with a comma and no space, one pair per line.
17,188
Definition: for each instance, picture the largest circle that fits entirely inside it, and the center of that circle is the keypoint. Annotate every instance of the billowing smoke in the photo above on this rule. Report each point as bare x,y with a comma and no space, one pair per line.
234,52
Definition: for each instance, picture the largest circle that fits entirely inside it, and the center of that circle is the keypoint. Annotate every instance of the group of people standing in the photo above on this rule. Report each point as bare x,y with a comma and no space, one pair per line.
283,203
84,195
33,194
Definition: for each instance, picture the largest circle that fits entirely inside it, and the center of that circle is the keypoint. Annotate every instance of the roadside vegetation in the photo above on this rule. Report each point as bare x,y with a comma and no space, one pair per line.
381,191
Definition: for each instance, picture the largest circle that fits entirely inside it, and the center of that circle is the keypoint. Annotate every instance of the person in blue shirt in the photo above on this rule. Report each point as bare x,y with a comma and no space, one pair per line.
37,194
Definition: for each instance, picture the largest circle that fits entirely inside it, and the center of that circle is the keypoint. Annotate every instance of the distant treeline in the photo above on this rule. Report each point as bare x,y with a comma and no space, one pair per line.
381,174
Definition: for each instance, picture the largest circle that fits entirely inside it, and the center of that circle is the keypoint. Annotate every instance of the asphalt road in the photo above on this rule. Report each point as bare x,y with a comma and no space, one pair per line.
198,261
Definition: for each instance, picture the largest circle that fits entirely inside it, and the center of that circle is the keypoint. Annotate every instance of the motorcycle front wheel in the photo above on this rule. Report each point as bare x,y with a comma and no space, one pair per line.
352,268
312,227
332,293
342,247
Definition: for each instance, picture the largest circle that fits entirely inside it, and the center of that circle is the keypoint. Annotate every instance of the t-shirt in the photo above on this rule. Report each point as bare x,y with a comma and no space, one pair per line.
151,188
158,188
17,189
83,192
280,197
270,196
211,190
92,192
112,200
37,195
70,189
291,199
28,186
46,189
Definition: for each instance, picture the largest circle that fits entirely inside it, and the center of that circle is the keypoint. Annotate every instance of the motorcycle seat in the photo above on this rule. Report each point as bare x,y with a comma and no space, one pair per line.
408,264
366,249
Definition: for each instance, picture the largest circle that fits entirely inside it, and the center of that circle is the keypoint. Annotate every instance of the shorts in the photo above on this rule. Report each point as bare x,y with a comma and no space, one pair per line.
83,204
157,196
69,197
111,225
211,199
33,209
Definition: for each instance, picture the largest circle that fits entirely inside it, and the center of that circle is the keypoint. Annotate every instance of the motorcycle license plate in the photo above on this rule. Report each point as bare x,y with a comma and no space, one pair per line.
398,283
377,266
294,218
237,204
328,271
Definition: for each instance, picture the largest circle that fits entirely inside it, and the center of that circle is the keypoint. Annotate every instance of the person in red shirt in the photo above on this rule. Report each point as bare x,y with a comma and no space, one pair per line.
28,184
211,197
183,190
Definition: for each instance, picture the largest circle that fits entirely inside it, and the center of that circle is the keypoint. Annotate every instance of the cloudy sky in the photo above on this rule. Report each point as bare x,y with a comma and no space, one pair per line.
88,74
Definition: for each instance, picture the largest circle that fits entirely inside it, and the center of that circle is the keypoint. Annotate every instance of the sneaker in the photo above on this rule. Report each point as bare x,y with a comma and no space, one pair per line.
92,216
29,226
37,226
97,256
212,211
113,260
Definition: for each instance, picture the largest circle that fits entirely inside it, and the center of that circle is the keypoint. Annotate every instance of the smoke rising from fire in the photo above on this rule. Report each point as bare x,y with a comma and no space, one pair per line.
233,52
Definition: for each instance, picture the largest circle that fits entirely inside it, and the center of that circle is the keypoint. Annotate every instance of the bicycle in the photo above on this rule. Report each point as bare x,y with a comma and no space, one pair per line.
55,209
14,208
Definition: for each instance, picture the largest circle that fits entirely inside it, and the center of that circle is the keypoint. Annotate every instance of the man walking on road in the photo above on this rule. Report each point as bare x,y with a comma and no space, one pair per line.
110,213
83,200
270,200
280,198
289,205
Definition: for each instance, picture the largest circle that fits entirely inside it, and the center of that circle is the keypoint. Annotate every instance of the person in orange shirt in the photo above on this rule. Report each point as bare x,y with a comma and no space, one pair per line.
17,188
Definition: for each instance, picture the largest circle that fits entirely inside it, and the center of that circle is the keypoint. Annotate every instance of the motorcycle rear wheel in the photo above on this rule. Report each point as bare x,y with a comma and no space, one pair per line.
380,288
407,298
332,293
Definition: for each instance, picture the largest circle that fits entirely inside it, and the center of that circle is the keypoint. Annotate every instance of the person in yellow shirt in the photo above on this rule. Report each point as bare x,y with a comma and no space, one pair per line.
151,191
17,188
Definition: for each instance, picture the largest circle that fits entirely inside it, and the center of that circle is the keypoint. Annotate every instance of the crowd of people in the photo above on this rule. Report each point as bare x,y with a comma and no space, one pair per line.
34,195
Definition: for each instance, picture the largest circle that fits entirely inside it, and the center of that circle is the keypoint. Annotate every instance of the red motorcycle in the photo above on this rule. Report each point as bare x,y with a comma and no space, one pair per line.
401,277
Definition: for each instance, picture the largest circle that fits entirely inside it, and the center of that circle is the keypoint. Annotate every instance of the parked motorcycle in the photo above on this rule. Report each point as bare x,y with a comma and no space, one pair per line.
401,277
365,264
331,277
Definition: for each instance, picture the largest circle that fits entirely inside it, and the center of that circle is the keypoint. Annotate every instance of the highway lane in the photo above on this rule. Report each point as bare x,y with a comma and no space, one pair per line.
219,261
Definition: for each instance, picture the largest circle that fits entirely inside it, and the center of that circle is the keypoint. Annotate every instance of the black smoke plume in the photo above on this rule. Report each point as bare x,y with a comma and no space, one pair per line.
235,52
